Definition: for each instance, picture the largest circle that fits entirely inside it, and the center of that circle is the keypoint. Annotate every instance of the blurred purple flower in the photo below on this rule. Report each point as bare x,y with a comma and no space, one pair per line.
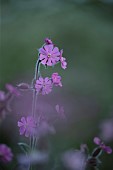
13,90
60,111
6,154
27,126
56,79
74,160
107,130
105,148
43,127
35,157
43,86
63,60
4,104
48,41
2,96
49,55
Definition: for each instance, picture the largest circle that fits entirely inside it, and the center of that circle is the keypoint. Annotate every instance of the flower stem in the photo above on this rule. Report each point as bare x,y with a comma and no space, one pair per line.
37,73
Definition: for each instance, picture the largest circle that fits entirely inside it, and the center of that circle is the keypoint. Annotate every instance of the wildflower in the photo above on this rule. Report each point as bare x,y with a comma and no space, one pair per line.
27,126
49,55
48,41
13,90
6,154
63,60
103,147
56,79
43,86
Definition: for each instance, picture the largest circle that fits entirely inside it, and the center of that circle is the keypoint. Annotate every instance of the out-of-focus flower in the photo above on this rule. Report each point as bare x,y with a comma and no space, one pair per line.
13,90
43,86
23,86
56,79
6,154
4,104
74,160
48,41
27,126
63,60
107,130
43,127
35,157
105,148
49,55
2,96
60,111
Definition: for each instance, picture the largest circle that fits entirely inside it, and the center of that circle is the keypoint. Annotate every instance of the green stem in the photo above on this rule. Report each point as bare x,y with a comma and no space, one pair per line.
37,73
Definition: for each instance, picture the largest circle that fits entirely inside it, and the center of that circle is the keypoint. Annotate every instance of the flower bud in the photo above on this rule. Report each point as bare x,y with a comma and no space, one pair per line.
23,86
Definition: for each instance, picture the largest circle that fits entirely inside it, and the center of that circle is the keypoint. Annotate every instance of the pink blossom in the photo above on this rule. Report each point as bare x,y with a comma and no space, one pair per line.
56,79
105,148
27,126
12,90
49,55
63,60
43,86
48,41
6,154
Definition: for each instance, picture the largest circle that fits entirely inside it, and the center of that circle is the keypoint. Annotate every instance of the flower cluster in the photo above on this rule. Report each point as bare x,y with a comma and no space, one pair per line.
81,159
6,154
50,55
44,85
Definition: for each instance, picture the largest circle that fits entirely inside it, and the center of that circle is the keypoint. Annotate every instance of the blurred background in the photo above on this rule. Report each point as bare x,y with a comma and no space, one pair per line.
84,30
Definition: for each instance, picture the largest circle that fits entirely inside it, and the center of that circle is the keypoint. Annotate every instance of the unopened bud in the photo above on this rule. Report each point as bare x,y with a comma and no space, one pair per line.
97,152
23,86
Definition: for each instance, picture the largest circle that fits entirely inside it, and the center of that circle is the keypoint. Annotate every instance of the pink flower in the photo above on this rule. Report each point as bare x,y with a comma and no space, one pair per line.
12,90
48,41
27,126
6,154
49,55
56,79
63,60
105,148
43,86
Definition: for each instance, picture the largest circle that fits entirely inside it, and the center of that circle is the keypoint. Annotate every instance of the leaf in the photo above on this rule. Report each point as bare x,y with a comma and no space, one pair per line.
24,147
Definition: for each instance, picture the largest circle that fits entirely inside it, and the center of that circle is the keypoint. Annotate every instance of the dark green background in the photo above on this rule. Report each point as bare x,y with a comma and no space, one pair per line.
85,32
